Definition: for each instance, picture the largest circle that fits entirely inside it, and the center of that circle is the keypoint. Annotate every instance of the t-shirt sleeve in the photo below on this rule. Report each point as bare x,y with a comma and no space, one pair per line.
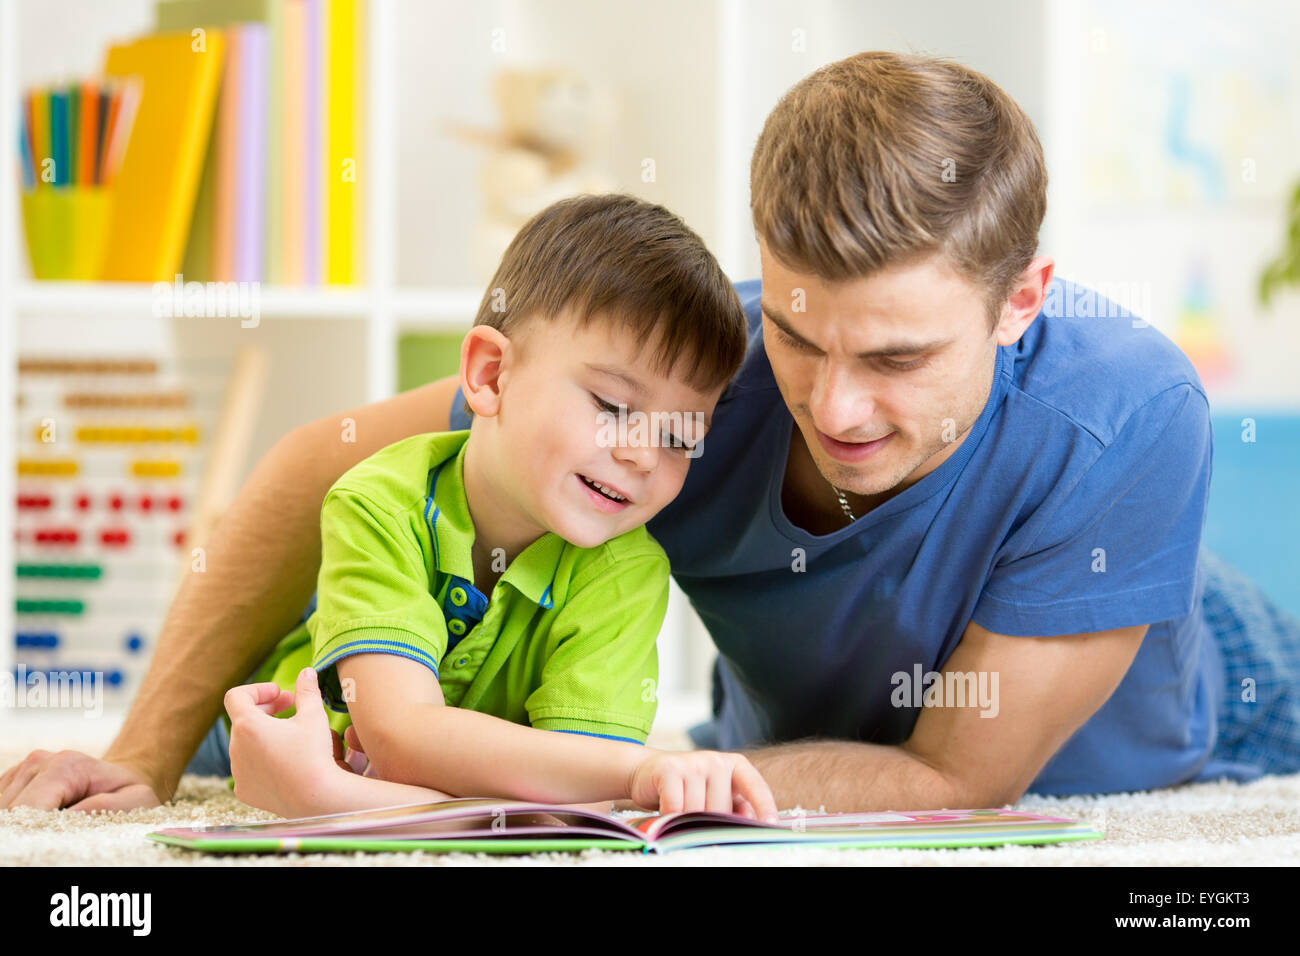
459,418
372,593
602,676
1120,547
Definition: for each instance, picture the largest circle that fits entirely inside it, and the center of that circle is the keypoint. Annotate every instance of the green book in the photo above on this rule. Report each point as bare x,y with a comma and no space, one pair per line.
485,825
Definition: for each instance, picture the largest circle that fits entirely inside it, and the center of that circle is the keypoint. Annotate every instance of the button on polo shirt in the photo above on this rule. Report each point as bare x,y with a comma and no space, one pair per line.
566,641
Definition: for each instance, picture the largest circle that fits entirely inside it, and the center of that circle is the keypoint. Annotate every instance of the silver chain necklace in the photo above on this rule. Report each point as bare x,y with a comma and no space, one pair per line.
844,504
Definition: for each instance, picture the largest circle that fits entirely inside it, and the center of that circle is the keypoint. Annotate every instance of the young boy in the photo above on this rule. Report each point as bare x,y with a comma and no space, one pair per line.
489,600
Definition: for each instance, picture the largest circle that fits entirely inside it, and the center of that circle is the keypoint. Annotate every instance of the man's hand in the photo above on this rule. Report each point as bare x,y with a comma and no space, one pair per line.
75,781
278,763
702,780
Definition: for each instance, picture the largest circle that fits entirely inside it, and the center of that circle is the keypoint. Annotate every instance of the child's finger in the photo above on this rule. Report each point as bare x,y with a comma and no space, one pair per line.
742,807
719,798
352,740
750,784
308,695
672,792
266,697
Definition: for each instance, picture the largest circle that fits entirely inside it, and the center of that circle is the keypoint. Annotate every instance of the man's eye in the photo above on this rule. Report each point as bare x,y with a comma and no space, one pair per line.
789,339
905,366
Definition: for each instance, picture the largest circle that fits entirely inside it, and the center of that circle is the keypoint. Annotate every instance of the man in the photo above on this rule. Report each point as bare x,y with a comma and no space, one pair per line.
945,528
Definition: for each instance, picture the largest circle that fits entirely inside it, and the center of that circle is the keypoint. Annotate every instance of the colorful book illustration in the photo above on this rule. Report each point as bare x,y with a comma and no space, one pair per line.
479,825
158,179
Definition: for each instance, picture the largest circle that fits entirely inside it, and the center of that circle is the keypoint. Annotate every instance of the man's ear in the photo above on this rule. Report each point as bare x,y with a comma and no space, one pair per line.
483,356
1026,300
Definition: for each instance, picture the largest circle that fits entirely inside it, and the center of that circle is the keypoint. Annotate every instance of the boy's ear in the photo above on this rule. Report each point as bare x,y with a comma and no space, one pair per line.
483,355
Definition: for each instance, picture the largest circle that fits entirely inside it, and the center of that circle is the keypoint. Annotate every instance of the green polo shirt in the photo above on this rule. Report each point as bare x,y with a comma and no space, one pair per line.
566,642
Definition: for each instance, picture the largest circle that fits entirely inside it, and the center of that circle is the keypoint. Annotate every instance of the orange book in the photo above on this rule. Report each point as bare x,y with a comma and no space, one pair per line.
156,182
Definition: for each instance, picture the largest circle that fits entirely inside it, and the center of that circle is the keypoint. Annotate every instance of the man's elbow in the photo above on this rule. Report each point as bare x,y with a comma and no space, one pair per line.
970,788
987,792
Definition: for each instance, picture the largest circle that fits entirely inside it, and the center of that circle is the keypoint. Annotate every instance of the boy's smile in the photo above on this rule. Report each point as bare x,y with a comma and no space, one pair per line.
576,433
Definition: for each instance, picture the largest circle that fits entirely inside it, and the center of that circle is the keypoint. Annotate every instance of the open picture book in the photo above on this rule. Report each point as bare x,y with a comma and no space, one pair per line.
478,825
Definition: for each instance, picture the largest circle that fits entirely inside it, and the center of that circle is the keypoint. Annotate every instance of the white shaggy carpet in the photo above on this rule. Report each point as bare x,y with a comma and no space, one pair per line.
1218,824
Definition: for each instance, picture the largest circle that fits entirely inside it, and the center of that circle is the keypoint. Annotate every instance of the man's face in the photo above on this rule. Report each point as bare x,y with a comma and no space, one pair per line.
561,405
885,375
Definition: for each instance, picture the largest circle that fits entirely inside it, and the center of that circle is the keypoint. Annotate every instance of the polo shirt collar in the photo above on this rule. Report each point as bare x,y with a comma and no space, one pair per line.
447,515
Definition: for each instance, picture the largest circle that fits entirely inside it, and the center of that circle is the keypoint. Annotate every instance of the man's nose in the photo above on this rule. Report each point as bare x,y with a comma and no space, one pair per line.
840,401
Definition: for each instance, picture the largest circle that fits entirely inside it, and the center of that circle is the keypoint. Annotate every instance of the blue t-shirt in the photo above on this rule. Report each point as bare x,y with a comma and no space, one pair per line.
1075,504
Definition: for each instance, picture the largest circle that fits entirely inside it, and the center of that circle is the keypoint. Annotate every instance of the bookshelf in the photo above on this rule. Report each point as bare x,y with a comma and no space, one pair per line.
415,271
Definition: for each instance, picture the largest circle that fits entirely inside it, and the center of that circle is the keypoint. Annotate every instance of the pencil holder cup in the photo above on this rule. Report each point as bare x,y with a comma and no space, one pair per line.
67,230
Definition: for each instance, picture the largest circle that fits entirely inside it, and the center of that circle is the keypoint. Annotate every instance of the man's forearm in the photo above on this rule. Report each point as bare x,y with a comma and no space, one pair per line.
258,571
472,754
848,776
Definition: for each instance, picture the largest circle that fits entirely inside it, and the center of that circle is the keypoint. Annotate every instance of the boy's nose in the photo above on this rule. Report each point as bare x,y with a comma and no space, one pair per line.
642,456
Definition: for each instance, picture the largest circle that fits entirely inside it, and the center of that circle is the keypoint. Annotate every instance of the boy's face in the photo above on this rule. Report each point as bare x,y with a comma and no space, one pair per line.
580,408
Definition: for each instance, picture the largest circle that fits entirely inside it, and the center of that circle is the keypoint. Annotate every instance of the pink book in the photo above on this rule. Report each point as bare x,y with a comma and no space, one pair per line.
250,153
293,191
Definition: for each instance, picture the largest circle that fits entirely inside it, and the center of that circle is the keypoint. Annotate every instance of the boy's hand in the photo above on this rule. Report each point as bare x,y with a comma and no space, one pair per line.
702,780
278,762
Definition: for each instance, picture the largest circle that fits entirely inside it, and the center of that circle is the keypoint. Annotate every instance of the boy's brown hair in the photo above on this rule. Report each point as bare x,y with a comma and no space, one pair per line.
633,262
883,158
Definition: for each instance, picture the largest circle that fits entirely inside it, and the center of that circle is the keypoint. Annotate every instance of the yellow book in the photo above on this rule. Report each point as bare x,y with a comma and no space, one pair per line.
343,173
155,188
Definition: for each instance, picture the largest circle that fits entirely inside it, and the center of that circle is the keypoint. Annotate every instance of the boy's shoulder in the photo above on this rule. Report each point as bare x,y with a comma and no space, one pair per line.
396,477
622,554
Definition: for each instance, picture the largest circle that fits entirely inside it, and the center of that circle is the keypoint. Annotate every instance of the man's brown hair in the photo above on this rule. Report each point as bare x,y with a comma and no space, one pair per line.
634,263
883,158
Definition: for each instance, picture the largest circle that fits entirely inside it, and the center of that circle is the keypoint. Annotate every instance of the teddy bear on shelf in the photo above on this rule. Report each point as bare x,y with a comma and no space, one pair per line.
551,120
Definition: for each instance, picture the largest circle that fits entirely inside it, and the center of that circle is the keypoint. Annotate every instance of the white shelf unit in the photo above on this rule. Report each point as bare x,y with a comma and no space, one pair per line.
377,312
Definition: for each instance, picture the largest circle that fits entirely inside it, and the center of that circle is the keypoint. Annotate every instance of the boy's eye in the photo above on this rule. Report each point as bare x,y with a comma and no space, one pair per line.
670,440
605,406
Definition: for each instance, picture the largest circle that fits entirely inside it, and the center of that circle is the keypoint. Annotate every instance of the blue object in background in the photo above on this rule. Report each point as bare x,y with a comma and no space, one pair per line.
1253,519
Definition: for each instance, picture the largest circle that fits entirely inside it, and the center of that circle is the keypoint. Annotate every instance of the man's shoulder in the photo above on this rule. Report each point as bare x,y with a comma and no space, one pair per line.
396,477
1095,361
